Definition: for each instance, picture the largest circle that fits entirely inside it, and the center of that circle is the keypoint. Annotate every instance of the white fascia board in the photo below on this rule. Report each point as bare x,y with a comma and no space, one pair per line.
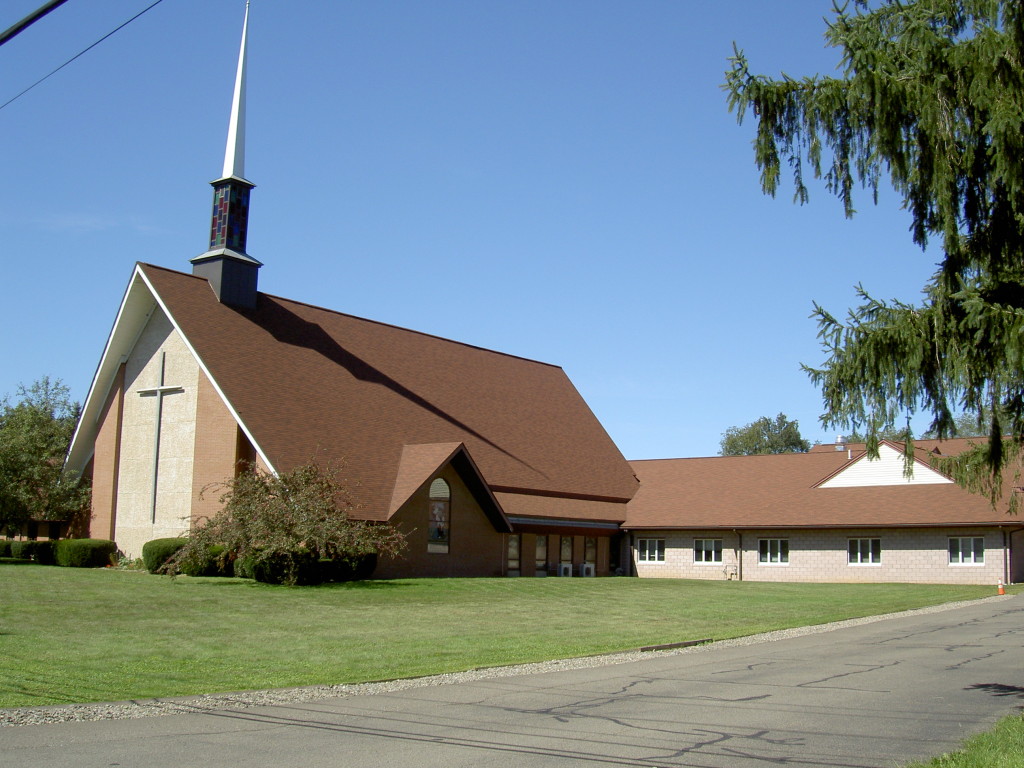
136,307
209,376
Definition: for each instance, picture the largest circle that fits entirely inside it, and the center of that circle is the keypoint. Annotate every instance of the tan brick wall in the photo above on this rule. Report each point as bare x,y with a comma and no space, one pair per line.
475,548
679,556
106,457
134,525
216,450
908,556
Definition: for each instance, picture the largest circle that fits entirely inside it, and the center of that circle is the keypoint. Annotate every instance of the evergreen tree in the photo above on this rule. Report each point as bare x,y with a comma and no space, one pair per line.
778,435
931,100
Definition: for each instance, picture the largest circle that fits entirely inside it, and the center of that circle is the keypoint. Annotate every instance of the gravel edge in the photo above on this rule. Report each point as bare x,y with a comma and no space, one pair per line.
127,710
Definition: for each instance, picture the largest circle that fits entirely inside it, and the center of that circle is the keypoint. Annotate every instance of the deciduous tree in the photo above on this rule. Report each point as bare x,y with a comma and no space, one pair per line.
930,99
285,520
35,433
778,435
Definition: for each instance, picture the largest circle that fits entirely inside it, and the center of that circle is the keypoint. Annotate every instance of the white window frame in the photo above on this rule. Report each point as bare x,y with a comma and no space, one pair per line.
764,554
644,551
864,552
701,551
976,553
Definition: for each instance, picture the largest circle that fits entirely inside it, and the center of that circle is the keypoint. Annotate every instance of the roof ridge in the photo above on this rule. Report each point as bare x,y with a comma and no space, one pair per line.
380,323
747,456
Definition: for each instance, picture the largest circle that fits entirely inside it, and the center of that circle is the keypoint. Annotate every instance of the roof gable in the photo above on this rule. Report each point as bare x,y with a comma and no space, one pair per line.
308,383
419,465
887,469
138,305
785,491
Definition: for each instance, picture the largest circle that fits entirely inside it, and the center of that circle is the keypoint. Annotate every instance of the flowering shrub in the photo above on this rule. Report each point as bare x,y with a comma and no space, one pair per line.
279,524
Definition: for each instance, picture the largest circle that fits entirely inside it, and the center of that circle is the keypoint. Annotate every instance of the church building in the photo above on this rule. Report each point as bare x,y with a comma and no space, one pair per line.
491,464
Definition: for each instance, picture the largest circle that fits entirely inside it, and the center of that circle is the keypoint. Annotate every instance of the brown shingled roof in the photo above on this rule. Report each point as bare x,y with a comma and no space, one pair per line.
309,382
779,491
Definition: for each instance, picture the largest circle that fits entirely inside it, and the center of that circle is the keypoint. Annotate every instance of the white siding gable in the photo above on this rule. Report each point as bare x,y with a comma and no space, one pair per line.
887,469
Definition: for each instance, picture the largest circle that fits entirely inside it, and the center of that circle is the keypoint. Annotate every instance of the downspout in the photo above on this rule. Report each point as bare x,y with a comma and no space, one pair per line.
739,554
1008,552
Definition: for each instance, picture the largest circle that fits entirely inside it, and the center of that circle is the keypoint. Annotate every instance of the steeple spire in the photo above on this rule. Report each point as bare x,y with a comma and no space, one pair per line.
231,271
234,153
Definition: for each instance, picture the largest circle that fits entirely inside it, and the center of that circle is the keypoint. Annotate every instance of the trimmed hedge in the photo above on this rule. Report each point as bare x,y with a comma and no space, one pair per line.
275,570
355,568
24,550
210,566
158,551
5,547
84,553
45,552
243,567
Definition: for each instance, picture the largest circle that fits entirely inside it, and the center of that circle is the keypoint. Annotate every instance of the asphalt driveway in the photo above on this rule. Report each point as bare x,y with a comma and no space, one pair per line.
871,695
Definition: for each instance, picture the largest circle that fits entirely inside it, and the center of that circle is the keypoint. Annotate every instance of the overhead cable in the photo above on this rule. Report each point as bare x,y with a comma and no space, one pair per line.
58,69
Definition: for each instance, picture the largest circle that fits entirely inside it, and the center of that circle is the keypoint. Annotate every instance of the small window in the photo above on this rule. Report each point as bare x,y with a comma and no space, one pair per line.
865,552
650,550
541,553
967,550
590,549
514,541
565,550
773,551
438,527
707,550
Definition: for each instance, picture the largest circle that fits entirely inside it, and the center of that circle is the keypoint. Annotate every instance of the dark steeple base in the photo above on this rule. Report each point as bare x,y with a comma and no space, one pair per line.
232,275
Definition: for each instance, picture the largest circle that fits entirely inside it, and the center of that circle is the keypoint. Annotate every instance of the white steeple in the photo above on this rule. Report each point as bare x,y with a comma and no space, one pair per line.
231,271
234,154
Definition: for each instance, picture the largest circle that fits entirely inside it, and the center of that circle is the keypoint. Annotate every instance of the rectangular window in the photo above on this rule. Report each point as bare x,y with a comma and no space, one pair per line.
541,554
773,551
437,527
590,550
865,552
514,540
650,550
707,550
565,550
966,550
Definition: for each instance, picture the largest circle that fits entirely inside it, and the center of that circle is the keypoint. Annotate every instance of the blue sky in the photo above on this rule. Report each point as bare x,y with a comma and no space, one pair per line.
556,179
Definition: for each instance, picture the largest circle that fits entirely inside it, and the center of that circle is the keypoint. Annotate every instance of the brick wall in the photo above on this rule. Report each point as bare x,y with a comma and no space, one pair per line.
134,524
104,464
216,450
908,555
475,548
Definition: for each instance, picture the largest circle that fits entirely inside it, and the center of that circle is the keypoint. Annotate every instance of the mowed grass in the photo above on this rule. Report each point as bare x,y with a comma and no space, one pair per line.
1001,747
79,635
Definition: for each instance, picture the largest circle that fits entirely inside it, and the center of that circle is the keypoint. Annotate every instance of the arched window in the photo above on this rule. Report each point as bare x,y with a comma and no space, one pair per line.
439,507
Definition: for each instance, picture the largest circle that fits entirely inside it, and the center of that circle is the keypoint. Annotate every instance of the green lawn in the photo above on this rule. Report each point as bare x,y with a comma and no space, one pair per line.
76,635
1002,747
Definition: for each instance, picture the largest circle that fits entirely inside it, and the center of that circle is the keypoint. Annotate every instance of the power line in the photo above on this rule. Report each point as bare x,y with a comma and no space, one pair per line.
86,50
29,20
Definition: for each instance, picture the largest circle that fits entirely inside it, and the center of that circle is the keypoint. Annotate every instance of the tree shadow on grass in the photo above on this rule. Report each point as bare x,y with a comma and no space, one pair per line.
365,584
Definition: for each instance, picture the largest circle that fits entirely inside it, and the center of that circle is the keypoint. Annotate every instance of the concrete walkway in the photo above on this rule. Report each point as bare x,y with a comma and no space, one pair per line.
871,695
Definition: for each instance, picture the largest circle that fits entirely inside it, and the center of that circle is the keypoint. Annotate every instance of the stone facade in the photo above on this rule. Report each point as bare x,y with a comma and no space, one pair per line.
908,555
146,509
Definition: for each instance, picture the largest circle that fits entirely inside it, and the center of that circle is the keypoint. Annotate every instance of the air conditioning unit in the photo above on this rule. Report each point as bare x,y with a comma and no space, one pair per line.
565,569
587,569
